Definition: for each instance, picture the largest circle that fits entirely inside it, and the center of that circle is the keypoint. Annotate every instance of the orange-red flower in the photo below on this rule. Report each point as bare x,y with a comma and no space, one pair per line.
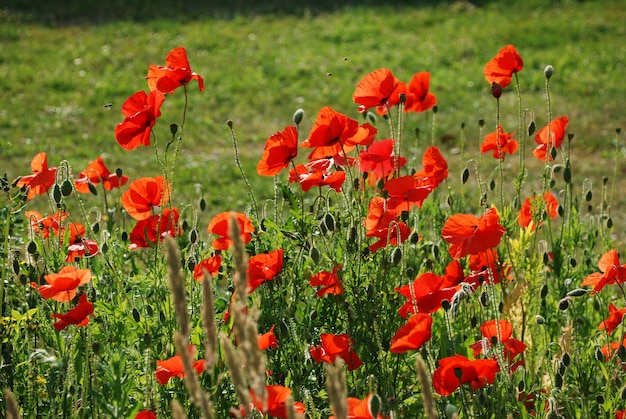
330,132
384,224
611,272
274,402
378,88
77,315
211,264
485,268
48,225
145,414
176,73
456,370
267,340
501,68
141,111
494,331
549,137
418,97
173,367
620,414
62,286
153,229
507,144
42,177
405,192
470,235
280,149
264,267
360,409
535,206
334,346
308,176
219,226
144,194
328,281
614,320
379,161
95,173
434,168
426,294
413,334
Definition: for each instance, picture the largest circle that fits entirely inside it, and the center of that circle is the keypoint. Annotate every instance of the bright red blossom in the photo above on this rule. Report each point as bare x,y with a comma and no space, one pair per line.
434,168
173,367
330,132
470,235
614,320
404,193
95,173
328,281
144,194
264,267
211,264
376,89
360,409
477,373
507,145
275,401
267,340
308,176
153,229
549,137
141,111
384,224
77,315
145,414
494,331
42,177
334,346
176,73
62,286
379,161
611,272
219,226
413,334
501,68
280,149
48,225
418,97
426,293
535,206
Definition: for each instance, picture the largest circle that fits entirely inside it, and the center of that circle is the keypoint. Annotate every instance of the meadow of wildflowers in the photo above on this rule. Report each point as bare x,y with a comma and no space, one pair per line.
387,278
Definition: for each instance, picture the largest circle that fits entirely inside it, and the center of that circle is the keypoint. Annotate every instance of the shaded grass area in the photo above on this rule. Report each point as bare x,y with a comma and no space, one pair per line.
261,63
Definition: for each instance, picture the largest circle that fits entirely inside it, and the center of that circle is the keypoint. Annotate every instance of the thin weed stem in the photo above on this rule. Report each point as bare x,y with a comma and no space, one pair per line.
240,167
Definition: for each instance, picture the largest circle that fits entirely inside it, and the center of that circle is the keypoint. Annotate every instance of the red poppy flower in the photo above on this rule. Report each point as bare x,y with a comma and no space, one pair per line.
360,409
501,68
549,137
384,224
485,268
219,227
507,144
176,73
42,177
494,331
379,161
334,346
405,193
413,334
148,232
264,267
211,264
82,248
173,367
620,414
425,294
62,286
434,168
95,173
267,340
477,373
309,176
144,194
470,235
611,272
365,136
418,98
141,111
453,274
330,132
48,225
614,320
274,402
145,414
611,348
533,209
280,149
77,315
376,89
328,281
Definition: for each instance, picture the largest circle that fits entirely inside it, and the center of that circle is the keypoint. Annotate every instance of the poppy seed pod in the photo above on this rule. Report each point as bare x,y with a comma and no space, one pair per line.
298,115
496,90
548,71
173,129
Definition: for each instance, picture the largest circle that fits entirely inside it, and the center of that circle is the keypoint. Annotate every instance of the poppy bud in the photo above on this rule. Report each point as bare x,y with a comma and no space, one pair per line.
540,320
450,201
451,410
402,98
599,355
553,153
136,315
417,132
66,188
481,123
623,393
371,117
621,352
435,109
414,237
173,129
484,300
567,359
445,304
609,222
496,90
193,236
561,368
567,173
462,125
124,236
396,256
375,405
588,195
16,267
564,303
578,292
298,115
95,227
548,71
329,222
147,339
56,193
599,398
492,185
315,255
202,204
558,380
32,247
229,122
573,262
531,128
465,175
104,248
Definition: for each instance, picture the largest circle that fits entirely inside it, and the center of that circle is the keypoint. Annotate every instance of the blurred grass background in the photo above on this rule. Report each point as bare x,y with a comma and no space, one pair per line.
62,62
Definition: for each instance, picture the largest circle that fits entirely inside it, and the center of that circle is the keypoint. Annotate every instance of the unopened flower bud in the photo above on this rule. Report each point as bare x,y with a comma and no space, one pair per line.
298,115
548,71
496,90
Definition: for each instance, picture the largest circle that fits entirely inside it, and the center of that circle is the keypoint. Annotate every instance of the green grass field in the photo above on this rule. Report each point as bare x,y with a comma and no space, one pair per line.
60,66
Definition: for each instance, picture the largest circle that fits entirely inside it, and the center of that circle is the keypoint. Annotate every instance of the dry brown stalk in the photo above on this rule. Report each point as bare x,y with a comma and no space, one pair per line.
192,383
177,284
12,409
337,388
235,364
208,322
177,411
427,394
